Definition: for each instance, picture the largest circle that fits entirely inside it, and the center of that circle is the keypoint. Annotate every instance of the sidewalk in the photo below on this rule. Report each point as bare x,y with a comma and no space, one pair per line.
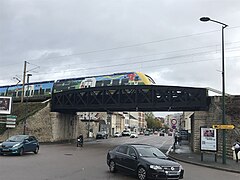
183,153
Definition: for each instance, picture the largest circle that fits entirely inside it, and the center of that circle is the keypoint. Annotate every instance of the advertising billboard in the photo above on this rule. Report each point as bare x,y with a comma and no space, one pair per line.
5,105
208,140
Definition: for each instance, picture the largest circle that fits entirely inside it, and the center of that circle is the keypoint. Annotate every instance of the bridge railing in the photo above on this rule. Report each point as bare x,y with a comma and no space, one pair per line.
131,98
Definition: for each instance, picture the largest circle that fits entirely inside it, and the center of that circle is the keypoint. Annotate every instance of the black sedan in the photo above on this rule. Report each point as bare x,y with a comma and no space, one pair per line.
19,144
145,161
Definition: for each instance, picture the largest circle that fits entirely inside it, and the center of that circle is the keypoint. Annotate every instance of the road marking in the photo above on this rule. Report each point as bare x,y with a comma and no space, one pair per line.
169,149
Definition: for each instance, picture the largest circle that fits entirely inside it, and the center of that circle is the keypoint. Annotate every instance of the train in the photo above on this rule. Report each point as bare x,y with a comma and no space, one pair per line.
43,90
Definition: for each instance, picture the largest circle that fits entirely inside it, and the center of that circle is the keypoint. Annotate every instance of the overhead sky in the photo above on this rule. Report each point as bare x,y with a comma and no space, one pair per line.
162,38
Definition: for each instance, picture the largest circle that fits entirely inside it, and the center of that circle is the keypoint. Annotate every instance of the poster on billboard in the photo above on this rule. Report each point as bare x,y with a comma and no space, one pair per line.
208,139
5,105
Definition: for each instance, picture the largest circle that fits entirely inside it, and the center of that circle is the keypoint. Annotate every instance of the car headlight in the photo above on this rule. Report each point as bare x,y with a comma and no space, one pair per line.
156,167
16,145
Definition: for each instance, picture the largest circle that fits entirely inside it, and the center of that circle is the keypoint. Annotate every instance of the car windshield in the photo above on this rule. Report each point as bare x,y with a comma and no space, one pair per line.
16,139
150,152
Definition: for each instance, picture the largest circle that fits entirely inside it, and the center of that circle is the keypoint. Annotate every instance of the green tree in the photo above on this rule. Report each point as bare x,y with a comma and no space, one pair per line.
152,121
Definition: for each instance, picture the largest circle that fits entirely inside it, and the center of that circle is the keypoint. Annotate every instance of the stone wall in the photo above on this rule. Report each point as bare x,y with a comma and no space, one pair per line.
214,117
48,126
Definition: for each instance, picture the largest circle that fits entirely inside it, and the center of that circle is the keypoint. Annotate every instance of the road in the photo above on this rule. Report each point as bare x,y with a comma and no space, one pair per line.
68,162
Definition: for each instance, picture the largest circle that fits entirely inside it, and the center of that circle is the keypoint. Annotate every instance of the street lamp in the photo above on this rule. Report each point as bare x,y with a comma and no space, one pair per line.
26,109
205,19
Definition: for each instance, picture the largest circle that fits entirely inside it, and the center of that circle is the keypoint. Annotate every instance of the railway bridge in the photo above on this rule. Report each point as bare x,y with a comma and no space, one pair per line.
131,98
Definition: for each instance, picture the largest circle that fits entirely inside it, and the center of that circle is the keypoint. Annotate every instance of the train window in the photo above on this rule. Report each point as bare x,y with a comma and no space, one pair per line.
35,92
48,90
99,83
106,82
124,82
19,93
41,91
2,94
115,82
71,87
14,94
136,78
27,93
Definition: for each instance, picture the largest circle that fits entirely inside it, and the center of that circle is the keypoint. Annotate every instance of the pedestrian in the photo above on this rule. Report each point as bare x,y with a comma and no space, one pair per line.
80,140
236,148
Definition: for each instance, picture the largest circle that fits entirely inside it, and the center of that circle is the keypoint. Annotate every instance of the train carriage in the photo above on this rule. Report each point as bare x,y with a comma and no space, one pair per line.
43,90
3,90
35,90
128,78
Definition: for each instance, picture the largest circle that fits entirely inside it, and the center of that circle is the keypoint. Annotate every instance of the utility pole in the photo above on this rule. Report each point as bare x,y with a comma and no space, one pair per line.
24,76
26,108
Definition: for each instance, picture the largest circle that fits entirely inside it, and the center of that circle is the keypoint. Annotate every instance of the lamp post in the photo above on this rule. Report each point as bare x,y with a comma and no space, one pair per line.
205,19
26,110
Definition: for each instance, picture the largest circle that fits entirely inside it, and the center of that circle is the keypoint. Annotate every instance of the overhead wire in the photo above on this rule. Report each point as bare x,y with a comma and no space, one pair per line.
141,44
132,63
127,46
155,54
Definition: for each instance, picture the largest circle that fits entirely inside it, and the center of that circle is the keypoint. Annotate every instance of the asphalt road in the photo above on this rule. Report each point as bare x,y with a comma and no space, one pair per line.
68,162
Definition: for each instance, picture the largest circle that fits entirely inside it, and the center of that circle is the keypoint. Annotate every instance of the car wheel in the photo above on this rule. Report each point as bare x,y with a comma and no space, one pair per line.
141,173
112,166
21,151
36,150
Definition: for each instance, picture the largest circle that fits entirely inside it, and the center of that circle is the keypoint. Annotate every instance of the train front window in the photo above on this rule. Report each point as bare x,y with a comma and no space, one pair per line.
150,79
136,78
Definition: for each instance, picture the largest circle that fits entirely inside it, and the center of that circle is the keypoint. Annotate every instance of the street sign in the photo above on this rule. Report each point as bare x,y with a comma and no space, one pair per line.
9,120
11,117
174,121
10,126
223,126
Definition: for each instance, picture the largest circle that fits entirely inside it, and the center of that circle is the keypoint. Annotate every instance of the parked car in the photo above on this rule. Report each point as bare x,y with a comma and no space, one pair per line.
134,135
126,133
117,134
145,161
102,135
19,144
183,134
162,133
146,133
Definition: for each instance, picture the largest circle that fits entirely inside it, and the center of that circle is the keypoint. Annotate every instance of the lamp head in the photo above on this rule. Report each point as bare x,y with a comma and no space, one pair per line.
205,19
